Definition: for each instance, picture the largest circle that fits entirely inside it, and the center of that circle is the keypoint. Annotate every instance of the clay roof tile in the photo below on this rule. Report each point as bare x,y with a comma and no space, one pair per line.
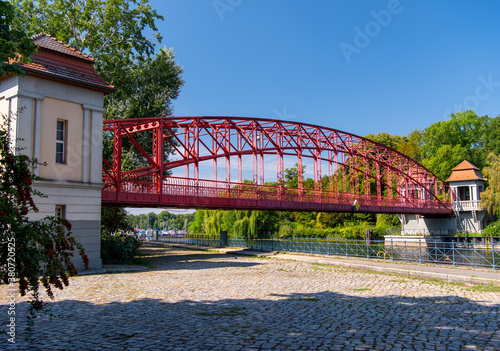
465,171
59,61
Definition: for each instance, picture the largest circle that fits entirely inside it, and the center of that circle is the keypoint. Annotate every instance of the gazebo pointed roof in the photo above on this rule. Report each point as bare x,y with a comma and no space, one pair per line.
465,171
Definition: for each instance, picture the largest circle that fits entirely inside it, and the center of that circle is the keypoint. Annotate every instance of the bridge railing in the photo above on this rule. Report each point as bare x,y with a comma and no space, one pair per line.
454,252
187,187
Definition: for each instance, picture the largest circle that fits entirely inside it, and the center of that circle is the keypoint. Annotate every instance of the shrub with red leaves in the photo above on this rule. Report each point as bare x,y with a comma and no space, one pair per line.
40,251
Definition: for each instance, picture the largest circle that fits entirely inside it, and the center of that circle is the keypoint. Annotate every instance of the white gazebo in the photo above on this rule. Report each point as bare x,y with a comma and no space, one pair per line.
467,184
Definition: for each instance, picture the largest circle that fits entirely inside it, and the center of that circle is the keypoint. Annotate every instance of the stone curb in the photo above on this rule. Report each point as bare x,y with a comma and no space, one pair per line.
454,278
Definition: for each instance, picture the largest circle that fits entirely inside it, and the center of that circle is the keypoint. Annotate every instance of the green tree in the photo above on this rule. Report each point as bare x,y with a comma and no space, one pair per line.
490,198
15,44
407,145
447,143
152,218
113,33
113,219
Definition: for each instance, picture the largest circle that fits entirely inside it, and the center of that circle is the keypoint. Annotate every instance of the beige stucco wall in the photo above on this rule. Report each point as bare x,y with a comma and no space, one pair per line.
53,110
38,104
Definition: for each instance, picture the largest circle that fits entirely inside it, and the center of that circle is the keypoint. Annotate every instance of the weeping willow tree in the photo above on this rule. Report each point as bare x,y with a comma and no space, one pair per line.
240,223
247,224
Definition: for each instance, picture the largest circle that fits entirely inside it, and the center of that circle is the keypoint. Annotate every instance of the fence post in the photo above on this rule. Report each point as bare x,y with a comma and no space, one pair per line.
367,249
311,245
493,253
405,252
453,251
392,252
420,250
328,247
474,255
346,253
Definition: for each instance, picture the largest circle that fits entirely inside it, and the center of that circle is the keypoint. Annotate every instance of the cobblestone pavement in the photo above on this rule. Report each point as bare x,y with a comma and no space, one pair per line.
194,300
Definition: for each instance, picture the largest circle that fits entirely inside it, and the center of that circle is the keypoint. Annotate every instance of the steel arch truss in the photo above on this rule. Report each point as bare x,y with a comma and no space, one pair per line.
346,168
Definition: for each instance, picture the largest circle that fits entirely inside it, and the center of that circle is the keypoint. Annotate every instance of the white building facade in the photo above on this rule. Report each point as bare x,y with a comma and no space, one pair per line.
56,113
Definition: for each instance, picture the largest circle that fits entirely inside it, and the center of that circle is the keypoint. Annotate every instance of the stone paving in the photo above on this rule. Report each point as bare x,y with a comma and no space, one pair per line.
205,300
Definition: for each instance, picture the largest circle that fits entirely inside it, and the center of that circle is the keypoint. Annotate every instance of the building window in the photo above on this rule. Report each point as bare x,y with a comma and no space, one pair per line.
61,142
60,211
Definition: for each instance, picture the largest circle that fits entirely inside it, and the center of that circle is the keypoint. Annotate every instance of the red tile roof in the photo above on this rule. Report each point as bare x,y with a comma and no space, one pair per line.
465,171
48,42
59,61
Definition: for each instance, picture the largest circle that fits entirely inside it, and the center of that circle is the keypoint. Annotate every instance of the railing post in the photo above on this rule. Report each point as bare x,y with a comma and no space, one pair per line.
453,252
392,252
367,250
420,250
346,253
493,253
311,245
405,252
473,255
328,247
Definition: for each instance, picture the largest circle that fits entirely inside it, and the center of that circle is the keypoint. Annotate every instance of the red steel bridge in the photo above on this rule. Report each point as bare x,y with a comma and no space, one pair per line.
240,163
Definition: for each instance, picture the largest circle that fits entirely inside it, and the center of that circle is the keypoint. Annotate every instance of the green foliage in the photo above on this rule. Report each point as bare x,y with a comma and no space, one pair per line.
447,143
407,145
390,220
32,252
490,198
119,248
163,220
153,79
15,44
493,229
259,224
197,225
444,144
113,33
113,219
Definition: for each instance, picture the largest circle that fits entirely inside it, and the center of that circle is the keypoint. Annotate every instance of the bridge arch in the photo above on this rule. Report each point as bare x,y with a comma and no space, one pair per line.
346,168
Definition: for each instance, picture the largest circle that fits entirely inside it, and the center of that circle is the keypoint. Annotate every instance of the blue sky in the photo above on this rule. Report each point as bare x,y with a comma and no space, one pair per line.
359,66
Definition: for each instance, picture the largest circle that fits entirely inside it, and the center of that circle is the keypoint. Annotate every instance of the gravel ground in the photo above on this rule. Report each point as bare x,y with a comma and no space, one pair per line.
199,300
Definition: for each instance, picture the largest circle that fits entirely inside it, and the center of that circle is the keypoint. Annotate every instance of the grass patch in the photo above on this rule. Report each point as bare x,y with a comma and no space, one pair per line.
487,288
321,264
260,257
362,289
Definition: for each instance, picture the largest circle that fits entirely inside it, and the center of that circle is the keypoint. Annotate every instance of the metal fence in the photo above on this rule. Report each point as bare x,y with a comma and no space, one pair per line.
483,254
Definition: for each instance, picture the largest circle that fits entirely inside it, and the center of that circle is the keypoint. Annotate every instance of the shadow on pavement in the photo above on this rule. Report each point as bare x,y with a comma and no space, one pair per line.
325,320
166,258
